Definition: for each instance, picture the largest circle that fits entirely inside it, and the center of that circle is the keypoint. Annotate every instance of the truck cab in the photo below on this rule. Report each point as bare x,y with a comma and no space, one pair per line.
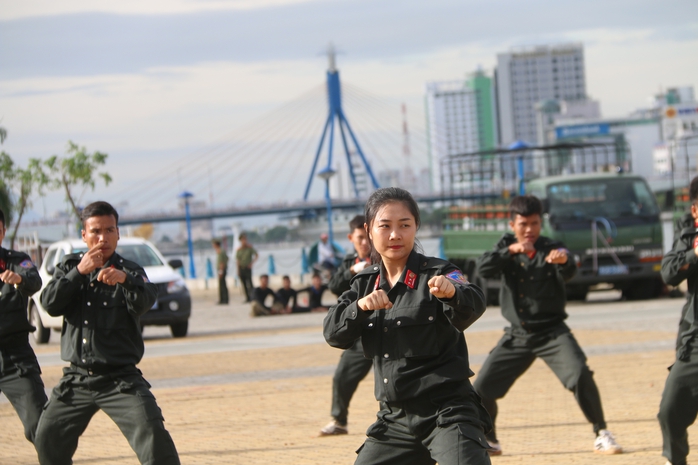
610,223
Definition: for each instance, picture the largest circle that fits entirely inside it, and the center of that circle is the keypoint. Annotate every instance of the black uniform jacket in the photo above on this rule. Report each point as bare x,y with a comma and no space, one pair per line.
341,279
682,254
14,300
417,346
101,327
532,295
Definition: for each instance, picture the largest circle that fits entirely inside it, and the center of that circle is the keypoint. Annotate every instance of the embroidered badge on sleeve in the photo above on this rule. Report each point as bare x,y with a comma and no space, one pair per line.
457,276
410,278
26,264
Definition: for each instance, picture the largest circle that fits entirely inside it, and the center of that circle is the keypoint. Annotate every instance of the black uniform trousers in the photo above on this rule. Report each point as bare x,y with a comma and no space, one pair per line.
20,381
222,289
446,428
679,407
245,275
558,348
123,395
352,368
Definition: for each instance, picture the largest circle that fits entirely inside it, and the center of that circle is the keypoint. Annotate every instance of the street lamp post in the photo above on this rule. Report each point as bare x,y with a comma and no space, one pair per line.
325,175
186,196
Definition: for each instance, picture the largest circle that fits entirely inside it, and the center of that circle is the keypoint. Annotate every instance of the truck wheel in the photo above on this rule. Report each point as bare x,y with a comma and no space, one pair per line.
179,329
42,334
644,289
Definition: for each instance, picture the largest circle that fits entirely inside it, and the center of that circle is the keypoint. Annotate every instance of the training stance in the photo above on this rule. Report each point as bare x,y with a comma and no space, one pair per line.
101,296
534,270
353,366
20,375
679,405
410,312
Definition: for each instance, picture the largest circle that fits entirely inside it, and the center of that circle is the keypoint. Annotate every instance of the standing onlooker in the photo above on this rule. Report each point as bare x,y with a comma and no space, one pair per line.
101,296
222,268
20,375
533,270
245,257
679,405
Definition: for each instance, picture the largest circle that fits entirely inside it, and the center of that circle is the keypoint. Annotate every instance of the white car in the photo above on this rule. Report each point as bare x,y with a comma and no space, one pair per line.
172,308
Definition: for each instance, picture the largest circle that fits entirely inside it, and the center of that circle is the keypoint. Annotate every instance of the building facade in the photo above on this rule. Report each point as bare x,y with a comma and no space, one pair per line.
460,119
527,76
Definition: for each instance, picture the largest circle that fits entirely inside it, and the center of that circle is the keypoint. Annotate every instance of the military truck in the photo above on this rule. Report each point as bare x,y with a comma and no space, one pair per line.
607,217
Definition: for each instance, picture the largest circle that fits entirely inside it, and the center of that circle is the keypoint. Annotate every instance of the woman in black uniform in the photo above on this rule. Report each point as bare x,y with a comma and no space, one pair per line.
410,311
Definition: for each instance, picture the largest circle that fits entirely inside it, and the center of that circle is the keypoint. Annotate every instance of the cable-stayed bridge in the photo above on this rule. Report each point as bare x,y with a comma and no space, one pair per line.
286,163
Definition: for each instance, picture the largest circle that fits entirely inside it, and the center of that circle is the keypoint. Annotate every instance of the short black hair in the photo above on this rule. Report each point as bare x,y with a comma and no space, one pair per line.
241,236
316,275
216,242
357,223
99,208
525,205
263,276
285,277
2,218
693,190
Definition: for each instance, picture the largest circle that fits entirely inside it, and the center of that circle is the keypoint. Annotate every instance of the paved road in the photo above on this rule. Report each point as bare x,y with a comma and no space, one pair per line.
241,390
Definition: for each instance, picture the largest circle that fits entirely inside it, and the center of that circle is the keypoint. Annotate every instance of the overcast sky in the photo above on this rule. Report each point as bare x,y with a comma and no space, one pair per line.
152,81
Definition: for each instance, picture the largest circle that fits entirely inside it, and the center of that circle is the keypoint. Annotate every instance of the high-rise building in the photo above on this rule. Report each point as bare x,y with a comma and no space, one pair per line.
460,119
527,76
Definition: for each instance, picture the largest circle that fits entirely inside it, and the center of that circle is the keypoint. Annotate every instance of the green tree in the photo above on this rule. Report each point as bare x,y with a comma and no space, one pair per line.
276,234
24,182
77,169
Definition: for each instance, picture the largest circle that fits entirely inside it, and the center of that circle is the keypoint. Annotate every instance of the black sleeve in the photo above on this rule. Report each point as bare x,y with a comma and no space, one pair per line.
466,305
59,295
491,263
343,322
680,255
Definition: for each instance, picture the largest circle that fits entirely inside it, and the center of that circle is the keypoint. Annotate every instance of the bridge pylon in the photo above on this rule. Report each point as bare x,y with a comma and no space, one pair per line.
336,113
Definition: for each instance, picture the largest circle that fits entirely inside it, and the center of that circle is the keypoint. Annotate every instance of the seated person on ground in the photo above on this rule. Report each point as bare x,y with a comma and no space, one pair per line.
259,296
314,296
282,299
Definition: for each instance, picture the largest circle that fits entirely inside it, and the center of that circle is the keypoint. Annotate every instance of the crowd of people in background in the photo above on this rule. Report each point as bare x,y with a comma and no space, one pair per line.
267,302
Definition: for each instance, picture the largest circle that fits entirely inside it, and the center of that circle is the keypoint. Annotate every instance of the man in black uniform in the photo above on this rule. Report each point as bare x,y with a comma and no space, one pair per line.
20,375
679,405
534,270
101,297
259,297
352,366
285,298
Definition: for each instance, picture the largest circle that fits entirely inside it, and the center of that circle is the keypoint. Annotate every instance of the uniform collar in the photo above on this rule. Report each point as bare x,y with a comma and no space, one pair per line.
408,276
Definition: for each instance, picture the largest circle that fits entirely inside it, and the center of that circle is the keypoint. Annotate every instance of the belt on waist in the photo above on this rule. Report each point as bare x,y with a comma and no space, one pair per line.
102,370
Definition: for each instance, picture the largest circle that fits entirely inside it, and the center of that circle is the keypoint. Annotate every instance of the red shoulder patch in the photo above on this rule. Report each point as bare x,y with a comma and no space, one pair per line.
410,278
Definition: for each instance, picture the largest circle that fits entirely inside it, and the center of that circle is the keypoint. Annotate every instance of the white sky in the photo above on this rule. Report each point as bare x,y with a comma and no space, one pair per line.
152,81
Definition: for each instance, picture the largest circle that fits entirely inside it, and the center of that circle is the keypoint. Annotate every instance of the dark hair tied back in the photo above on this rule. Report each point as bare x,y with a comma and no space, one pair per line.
378,200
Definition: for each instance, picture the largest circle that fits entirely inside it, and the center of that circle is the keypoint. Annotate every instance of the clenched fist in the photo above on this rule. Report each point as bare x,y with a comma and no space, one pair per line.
376,300
441,287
